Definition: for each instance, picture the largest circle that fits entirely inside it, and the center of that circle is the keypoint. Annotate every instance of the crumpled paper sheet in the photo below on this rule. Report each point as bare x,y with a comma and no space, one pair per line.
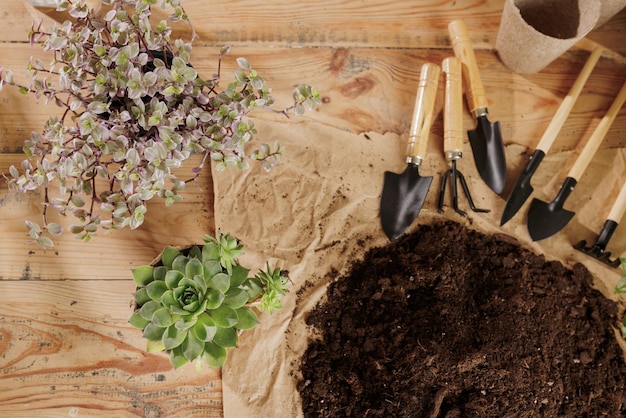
317,212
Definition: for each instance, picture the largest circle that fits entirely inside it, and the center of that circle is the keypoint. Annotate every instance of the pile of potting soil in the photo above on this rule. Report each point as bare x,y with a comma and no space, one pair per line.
449,322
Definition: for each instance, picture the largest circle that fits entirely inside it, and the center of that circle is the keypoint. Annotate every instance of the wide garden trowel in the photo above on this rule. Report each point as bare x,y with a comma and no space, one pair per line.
403,194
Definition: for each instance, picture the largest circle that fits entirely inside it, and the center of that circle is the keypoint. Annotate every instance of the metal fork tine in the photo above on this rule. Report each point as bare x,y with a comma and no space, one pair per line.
455,175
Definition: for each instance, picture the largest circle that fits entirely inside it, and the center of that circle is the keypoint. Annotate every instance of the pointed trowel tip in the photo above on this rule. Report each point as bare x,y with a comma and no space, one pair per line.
523,188
509,210
520,194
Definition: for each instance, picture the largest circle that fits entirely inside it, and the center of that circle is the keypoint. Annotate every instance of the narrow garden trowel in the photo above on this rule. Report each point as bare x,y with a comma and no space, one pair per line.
403,194
598,250
523,188
546,219
486,139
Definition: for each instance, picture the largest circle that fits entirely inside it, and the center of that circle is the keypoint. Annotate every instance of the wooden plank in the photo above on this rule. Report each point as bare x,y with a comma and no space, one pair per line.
67,350
20,114
65,345
328,23
109,256
299,23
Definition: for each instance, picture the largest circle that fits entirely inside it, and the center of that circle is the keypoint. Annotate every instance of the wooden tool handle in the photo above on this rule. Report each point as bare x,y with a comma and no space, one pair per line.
567,104
463,49
597,136
619,206
453,109
423,112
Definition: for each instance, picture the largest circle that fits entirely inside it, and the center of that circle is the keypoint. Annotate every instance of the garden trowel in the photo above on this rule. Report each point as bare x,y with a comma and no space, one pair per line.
523,188
403,194
546,219
486,139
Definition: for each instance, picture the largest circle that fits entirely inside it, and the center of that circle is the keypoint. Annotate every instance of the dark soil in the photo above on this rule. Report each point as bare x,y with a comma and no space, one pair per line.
449,322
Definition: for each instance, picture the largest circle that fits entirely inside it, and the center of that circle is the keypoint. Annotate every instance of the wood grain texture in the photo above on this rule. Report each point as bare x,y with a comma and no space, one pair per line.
66,348
110,255
329,23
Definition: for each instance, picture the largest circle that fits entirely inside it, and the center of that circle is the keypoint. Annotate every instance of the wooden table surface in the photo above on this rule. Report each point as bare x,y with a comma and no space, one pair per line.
66,348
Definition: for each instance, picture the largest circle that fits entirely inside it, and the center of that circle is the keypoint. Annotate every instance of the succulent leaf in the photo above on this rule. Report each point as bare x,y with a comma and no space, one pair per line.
220,281
177,358
200,283
178,310
214,355
154,346
236,298
179,263
137,321
162,318
172,278
214,298
148,309
153,332
159,273
195,252
143,275
239,276
226,337
141,296
167,299
210,251
194,268
254,287
173,337
168,256
185,322
224,316
192,346
155,290
211,268
205,328
247,318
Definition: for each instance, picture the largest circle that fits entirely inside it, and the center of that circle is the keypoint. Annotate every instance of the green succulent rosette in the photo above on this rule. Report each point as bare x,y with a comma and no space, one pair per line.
194,303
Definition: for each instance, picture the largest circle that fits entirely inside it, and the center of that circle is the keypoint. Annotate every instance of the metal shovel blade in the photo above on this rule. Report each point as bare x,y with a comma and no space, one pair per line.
488,150
402,199
546,219
523,189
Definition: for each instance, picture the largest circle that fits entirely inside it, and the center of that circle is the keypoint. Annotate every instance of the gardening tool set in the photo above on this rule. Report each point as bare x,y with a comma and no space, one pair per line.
404,194
546,219
523,188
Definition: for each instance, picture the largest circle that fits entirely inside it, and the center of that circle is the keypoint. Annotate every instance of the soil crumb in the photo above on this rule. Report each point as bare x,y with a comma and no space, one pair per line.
449,322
